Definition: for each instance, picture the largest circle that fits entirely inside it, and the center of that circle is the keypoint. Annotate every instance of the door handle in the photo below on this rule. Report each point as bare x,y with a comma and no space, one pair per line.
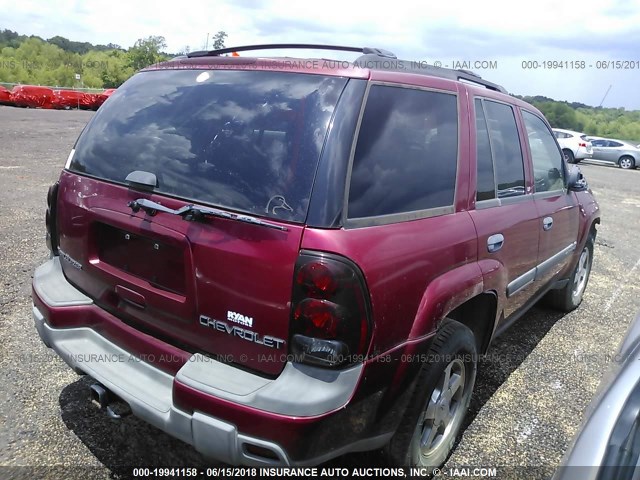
547,223
495,242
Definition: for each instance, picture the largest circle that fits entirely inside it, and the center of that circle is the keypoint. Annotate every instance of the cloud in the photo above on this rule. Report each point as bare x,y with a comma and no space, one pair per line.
589,30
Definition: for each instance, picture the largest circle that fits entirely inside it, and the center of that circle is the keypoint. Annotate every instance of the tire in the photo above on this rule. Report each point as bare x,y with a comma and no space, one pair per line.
569,297
627,162
435,414
568,156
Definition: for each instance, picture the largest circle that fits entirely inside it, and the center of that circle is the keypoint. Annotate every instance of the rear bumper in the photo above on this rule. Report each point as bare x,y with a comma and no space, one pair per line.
275,415
583,154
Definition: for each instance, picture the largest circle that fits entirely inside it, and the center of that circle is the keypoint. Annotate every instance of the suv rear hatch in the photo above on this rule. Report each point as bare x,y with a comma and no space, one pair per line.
243,144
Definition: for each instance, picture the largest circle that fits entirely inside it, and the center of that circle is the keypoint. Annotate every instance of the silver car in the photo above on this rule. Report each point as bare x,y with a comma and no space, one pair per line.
607,446
623,154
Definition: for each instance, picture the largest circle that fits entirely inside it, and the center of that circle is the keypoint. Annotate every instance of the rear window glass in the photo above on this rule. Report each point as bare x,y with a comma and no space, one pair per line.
244,140
407,151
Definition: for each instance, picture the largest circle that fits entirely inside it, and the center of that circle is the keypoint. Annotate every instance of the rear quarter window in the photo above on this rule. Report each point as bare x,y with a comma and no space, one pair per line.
406,153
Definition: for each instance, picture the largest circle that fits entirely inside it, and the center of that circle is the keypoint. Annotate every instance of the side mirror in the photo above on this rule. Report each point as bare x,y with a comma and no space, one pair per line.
575,180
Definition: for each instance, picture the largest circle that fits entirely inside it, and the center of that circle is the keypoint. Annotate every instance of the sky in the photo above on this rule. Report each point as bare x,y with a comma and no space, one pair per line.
518,45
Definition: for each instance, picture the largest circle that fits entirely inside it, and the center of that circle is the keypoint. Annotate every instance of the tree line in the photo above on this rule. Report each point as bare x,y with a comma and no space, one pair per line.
597,121
13,39
56,61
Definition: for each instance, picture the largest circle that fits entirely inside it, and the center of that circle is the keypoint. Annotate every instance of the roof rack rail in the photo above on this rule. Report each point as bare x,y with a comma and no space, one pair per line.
407,66
469,72
473,78
309,46
368,53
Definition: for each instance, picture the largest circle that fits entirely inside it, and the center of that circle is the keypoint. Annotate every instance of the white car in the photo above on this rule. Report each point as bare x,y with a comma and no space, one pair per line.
574,145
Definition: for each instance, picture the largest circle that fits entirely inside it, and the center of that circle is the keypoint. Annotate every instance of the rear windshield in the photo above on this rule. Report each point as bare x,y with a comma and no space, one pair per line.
244,140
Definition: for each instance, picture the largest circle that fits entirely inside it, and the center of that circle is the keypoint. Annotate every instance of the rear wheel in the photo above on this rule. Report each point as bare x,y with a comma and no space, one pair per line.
568,156
440,400
570,297
626,162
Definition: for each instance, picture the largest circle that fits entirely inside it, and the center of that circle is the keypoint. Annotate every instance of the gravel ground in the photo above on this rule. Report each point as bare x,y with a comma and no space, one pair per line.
530,396
44,408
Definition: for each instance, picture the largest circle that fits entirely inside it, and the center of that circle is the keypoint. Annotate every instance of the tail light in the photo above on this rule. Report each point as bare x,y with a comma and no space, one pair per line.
582,144
329,311
51,219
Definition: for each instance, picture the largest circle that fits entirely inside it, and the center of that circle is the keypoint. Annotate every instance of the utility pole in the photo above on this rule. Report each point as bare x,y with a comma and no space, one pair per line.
206,47
78,78
605,96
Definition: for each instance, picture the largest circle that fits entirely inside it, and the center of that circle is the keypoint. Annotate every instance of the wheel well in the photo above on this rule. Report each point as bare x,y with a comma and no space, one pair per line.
627,156
479,314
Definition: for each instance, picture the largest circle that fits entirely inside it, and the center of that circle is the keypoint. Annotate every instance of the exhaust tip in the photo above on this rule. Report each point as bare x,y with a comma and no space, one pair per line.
99,395
118,409
105,400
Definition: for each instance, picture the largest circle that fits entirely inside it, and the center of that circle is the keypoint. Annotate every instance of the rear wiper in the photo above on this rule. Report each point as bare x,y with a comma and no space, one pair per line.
193,213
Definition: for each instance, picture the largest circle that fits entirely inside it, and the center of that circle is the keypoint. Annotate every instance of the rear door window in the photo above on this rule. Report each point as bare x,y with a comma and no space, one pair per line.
246,140
486,180
505,146
406,153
